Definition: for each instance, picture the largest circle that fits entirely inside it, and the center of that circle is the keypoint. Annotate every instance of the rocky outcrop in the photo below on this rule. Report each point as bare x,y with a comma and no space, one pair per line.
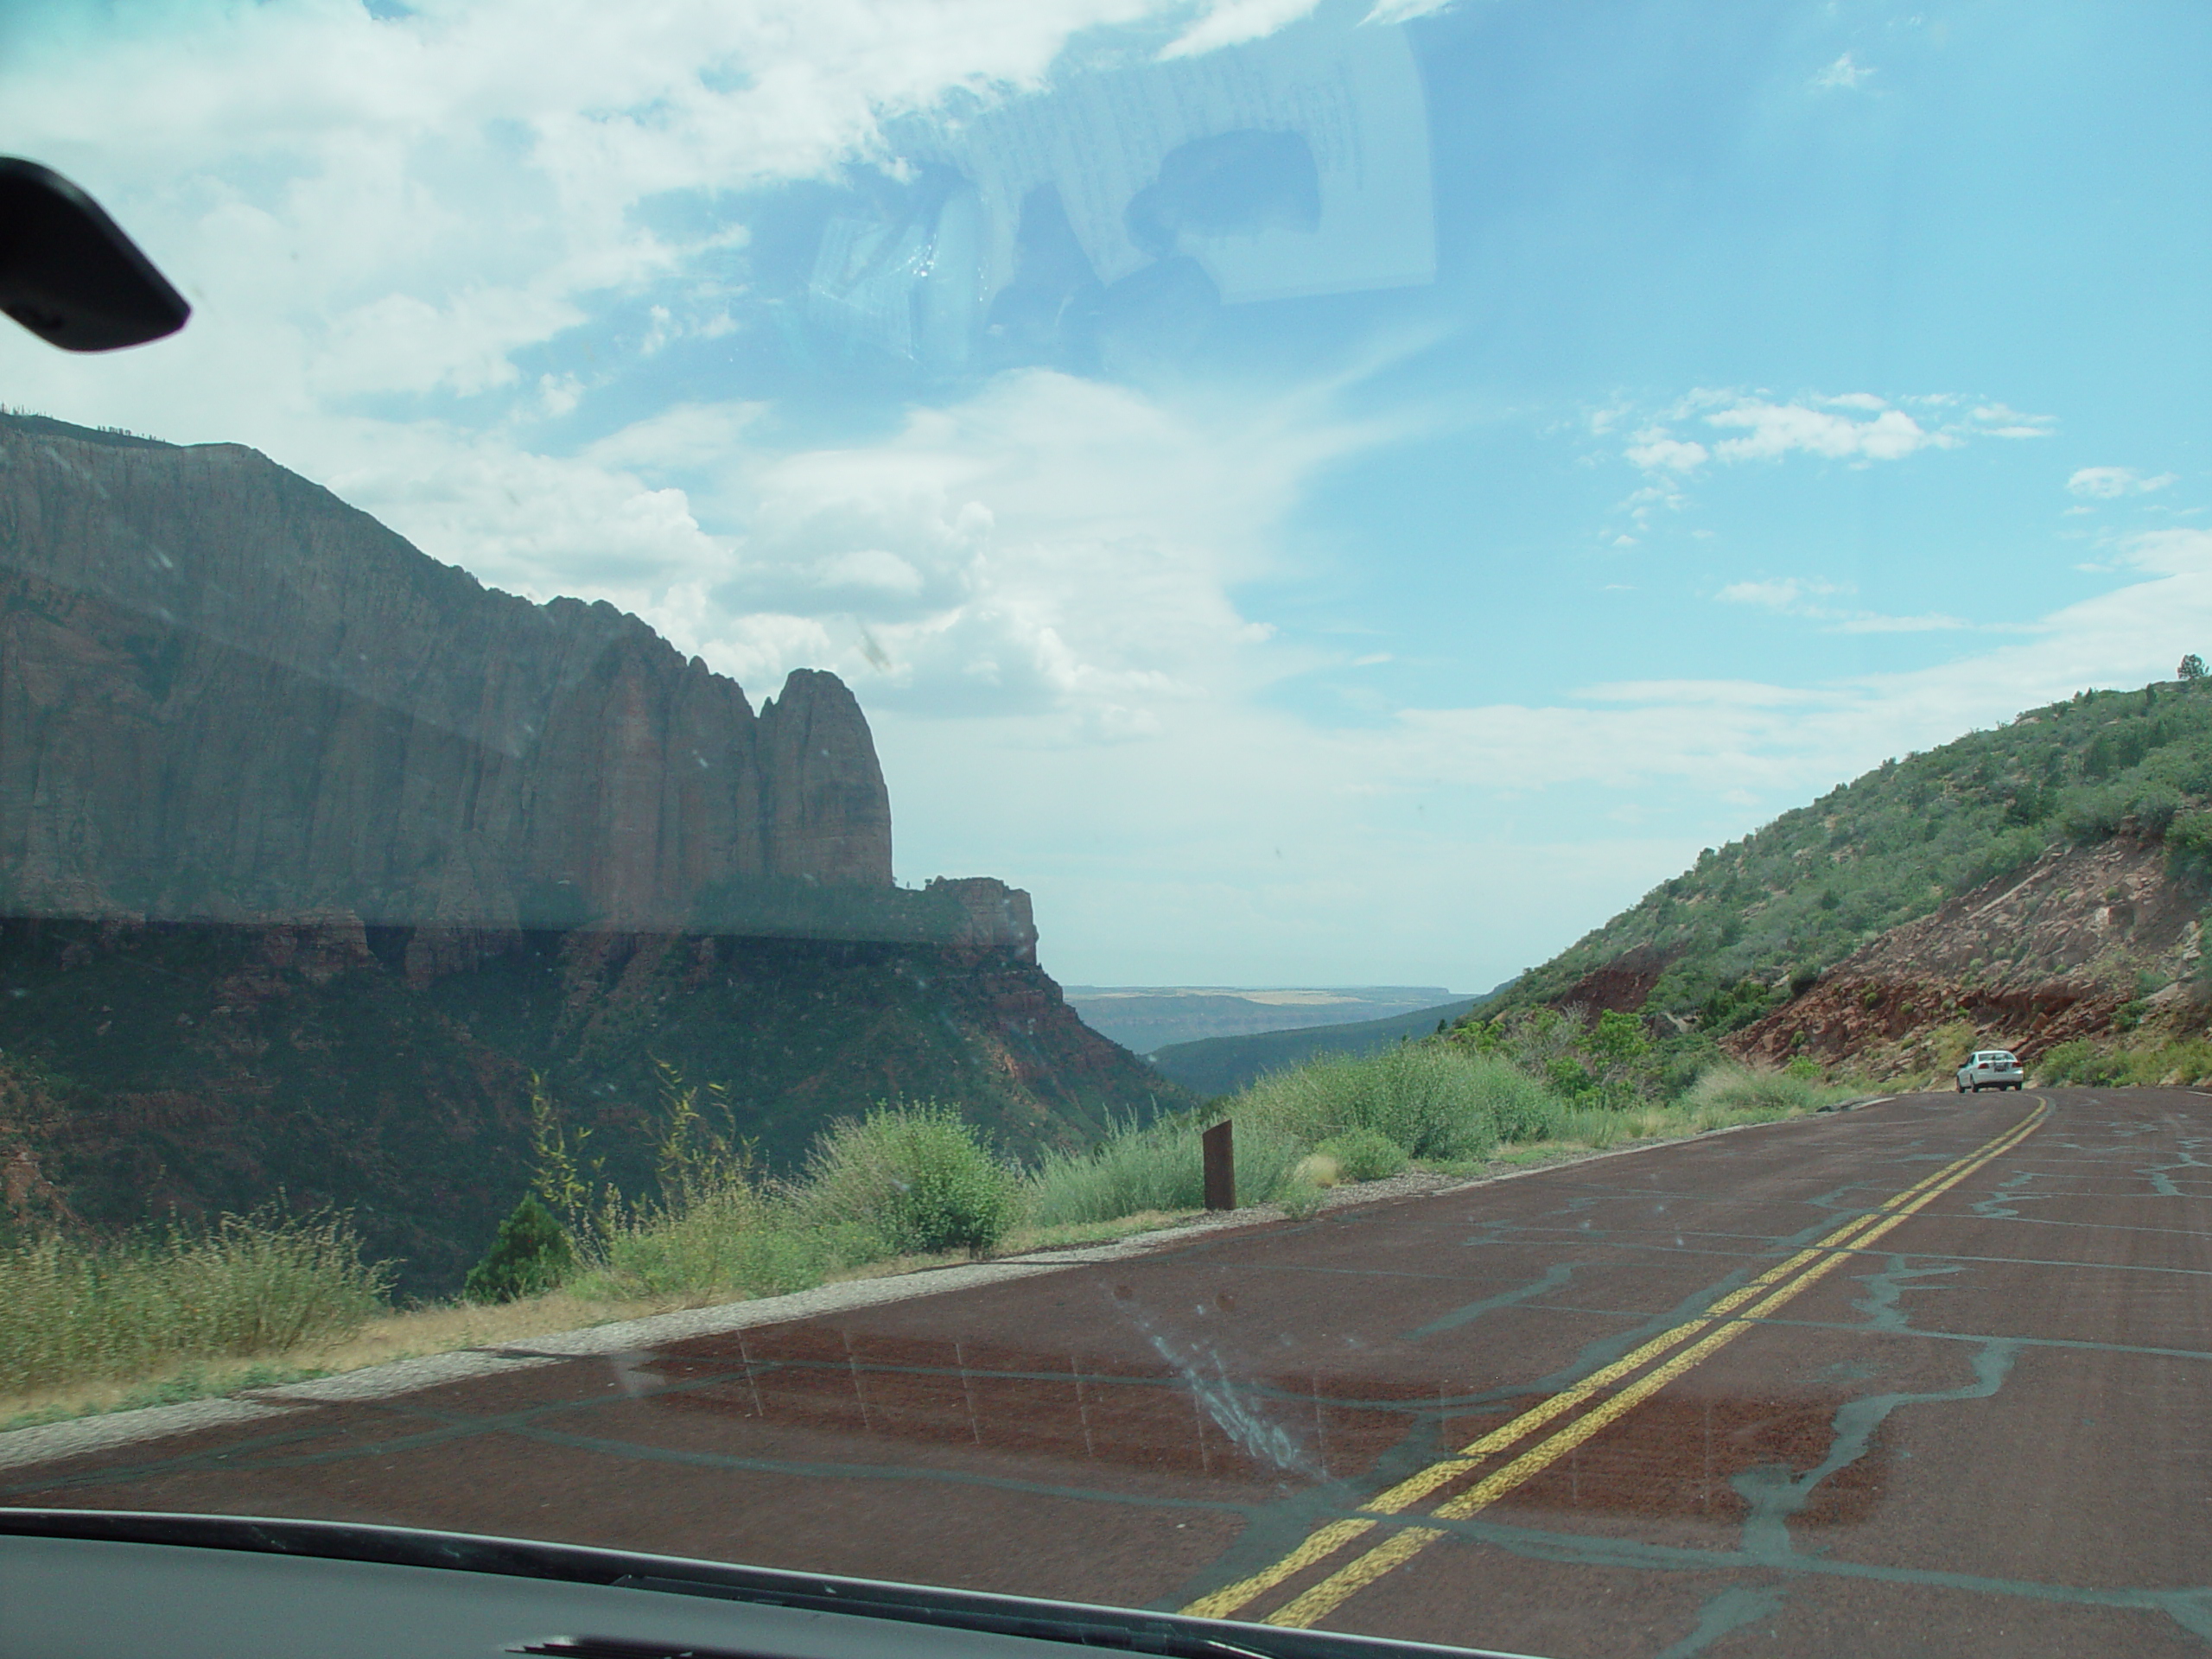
1622,985
992,915
2025,962
224,695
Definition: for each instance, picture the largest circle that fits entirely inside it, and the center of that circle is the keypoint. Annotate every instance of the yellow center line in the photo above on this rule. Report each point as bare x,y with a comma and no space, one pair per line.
1348,1581
1818,1257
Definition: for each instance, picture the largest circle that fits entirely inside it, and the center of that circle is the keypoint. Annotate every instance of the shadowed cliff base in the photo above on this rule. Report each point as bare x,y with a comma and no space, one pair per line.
155,1069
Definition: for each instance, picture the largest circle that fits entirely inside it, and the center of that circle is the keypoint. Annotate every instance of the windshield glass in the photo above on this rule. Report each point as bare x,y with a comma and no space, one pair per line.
753,661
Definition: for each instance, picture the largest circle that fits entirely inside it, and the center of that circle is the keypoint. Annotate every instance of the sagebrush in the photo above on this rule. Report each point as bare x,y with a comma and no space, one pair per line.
253,1284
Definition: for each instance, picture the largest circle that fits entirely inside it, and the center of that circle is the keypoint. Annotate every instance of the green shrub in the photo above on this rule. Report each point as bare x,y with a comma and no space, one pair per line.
2082,1061
1733,1006
2094,815
1519,1108
2015,849
1301,1199
1158,1166
1593,1125
915,1175
1428,1097
722,1245
2063,1062
2154,808
1362,1156
531,1256
2107,1069
1746,1094
2185,1062
2189,842
72,1309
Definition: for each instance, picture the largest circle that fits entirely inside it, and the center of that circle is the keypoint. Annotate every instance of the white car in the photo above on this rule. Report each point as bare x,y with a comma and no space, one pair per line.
1990,1068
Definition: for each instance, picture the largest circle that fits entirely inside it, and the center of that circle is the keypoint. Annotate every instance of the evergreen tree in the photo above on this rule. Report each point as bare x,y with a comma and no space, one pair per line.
531,1256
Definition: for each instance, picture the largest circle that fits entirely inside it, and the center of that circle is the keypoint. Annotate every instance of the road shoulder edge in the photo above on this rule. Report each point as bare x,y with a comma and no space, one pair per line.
79,1436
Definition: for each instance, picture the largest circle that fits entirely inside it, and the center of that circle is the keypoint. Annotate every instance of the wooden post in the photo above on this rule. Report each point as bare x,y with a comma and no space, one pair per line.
1221,1167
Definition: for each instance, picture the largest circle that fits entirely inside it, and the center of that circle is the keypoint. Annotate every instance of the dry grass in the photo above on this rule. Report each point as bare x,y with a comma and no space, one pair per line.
74,1310
448,1327
403,1334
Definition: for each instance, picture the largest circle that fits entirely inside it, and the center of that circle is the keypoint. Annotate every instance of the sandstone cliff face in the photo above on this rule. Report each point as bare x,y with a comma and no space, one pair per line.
992,915
224,695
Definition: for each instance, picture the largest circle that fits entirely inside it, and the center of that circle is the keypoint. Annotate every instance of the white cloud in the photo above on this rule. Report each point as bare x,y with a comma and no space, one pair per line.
1404,11
1785,742
1856,427
1808,596
1775,430
1645,503
682,439
869,569
1787,594
1232,22
2181,554
1927,622
2111,483
1845,74
1052,547
1656,450
1996,421
399,343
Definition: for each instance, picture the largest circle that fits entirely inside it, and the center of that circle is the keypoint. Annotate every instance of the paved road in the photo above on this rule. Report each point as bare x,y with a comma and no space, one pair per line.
1930,1377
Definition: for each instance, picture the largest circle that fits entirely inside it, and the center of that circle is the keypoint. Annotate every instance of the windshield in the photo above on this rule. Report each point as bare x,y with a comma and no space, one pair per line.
755,662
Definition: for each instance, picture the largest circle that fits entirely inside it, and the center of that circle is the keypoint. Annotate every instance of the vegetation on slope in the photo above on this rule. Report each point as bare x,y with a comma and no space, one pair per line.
199,1070
136,1320
1763,917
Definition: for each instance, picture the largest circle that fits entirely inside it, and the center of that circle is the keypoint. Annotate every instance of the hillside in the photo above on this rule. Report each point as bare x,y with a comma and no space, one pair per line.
2038,882
1221,1066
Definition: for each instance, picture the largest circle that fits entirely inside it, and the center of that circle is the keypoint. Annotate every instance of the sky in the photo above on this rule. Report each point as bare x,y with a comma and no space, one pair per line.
1318,494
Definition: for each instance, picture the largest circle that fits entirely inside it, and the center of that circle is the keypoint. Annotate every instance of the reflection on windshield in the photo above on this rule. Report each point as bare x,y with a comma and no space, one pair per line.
1223,808
1097,228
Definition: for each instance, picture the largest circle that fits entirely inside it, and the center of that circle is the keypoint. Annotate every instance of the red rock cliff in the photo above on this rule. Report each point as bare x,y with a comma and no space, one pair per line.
224,695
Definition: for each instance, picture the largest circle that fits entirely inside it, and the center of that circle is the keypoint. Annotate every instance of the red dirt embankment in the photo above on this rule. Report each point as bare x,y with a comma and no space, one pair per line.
2027,961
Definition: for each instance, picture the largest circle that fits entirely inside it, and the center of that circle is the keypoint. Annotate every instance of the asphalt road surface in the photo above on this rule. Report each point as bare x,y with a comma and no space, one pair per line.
1933,1376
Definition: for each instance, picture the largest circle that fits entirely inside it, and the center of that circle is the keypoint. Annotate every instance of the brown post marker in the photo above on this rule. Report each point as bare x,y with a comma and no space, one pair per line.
1221,1167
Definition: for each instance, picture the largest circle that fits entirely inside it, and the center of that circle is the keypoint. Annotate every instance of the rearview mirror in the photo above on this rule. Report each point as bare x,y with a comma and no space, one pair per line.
68,273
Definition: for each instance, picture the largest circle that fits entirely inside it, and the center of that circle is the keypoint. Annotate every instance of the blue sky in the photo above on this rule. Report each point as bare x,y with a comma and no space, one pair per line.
1417,473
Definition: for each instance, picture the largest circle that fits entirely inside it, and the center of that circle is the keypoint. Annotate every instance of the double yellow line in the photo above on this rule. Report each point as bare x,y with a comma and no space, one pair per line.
1677,1351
